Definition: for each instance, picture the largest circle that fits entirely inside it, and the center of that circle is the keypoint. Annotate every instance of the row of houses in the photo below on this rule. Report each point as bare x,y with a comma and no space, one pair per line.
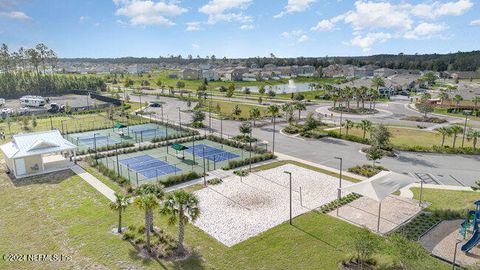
240,73
368,71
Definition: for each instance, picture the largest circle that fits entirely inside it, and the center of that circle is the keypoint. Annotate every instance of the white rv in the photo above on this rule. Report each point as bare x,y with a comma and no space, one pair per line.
2,102
32,101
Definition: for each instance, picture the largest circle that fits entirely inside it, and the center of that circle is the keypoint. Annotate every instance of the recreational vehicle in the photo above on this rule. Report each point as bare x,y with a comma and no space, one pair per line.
32,101
2,102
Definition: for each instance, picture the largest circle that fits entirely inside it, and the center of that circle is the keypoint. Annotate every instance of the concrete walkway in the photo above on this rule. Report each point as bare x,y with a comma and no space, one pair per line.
94,182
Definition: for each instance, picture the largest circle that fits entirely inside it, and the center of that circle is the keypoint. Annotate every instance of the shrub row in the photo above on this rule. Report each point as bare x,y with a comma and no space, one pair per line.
352,138
236,144
440,149
172,137
144,147
338,203
232,164
106,148
180,178
424,119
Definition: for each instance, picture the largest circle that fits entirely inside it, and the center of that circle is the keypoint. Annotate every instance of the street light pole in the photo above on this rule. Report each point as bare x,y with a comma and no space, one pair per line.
340,180
341,118
421,192
455,254
162,111
290,175
250,159
204,170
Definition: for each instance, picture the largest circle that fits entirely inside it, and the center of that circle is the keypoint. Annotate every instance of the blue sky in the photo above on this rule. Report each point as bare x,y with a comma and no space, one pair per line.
241,28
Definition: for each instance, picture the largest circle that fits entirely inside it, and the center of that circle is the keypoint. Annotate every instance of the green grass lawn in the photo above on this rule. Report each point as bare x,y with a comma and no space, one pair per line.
226,108
447,199
60,213
443,111
411,137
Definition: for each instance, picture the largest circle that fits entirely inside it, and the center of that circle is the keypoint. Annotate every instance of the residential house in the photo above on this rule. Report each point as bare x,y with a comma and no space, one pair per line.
190,74
210,75
384,72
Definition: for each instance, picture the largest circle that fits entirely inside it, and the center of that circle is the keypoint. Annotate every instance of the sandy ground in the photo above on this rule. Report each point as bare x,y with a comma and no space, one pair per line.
239,208
441,242
364,212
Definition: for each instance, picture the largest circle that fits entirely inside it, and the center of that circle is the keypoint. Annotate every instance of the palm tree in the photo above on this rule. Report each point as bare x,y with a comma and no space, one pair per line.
445,131
365,125
473,135
286,108
254,114
147,202
455,131
458,99
348,124
300,106
363,93
273,111
121,202
377,82
475,101
183,207
443,96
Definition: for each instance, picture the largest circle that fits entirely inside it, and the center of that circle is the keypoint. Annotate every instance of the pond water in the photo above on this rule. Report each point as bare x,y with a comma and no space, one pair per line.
291,87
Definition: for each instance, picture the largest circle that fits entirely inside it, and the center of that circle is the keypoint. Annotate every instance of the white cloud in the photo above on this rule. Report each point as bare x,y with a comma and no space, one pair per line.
247,27
147,12
397,20
16,15
195,46
425,31
226,10
303,38
297,35
366,41
83,19
475,22
324,25
193,26
378,15
294,6
436,9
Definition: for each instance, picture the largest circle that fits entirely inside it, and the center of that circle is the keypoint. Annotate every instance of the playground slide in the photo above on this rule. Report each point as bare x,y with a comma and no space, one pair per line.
474,240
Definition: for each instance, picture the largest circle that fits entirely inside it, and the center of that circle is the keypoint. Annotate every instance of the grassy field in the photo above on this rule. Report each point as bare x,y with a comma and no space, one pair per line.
162,75
411,137
226,108
447,199
443,111
61,214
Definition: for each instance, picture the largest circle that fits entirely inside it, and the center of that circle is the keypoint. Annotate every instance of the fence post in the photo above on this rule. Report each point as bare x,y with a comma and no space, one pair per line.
156,172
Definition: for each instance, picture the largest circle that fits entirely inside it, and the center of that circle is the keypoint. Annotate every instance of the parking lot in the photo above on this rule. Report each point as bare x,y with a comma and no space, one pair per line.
75,101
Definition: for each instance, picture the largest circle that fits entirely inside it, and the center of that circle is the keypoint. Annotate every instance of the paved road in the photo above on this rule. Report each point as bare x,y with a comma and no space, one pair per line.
460,170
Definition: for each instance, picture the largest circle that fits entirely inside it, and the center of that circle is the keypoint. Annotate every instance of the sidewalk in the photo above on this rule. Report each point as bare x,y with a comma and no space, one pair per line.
94,182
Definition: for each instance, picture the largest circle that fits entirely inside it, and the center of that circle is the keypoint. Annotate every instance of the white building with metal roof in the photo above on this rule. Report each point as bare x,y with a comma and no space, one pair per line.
37,153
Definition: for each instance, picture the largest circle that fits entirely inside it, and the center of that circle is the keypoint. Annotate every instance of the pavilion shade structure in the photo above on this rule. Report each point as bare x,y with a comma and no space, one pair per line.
380,186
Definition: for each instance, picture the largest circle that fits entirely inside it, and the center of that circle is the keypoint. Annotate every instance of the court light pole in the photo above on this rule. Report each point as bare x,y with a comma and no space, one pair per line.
221,127
340,180
204,170
161,108
179,117
118,164
290,175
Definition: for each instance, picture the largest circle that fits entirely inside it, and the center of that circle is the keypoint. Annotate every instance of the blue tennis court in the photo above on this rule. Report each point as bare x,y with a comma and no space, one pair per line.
149,166
91,141
211,153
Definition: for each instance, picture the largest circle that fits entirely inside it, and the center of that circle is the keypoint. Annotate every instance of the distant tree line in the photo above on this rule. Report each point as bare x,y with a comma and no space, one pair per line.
460,61
32,71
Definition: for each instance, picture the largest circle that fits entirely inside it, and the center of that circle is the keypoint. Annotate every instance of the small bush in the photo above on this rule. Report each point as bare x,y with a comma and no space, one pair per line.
366,170
128,235
215,181
232,164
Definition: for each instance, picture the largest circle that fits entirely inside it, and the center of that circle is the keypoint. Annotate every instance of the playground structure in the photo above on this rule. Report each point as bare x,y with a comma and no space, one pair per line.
471,221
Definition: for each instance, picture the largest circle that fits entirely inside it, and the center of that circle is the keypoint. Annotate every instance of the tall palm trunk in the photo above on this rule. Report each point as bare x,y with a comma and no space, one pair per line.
119,220
299,115
454,140
181,234
475,143
443,139
147,228
273,144
364,133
